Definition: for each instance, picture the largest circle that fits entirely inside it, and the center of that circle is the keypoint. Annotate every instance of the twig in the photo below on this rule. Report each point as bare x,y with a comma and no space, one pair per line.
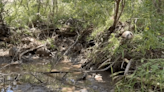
36,78
12,63
86,71
29,51
77,39
101,70
128,67
72,44
105,63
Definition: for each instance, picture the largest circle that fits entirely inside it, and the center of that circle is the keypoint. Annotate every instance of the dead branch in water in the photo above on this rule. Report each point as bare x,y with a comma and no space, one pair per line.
86,71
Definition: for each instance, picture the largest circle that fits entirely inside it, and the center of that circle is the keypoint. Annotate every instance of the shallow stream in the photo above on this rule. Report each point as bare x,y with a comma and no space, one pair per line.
30,77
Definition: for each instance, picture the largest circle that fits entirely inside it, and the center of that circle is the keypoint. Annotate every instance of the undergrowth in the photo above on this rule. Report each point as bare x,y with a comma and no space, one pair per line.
148,33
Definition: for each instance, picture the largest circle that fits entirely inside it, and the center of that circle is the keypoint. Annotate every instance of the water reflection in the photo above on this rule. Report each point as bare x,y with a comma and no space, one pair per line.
31,80
7,90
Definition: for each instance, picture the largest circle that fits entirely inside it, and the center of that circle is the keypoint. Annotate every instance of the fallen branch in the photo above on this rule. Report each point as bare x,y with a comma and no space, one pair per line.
12,63
127,67
72,44
86,71
32,49
36,77
77,39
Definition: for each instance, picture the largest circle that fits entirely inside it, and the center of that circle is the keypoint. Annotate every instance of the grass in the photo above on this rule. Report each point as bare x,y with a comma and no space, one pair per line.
148,34
148,76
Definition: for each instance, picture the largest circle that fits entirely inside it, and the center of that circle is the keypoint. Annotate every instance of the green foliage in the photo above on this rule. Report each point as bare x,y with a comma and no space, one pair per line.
27,12
114,44
50,41
151,74
148,33
148,36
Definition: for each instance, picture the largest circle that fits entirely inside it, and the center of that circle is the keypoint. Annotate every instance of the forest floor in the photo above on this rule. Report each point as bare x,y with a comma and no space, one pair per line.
79,52
66,60
37,64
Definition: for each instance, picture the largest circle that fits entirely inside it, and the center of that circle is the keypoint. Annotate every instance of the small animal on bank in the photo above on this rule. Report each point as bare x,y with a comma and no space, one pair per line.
127,35
13,51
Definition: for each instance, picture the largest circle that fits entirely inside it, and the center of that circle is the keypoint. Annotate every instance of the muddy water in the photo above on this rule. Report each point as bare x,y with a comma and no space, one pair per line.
29,77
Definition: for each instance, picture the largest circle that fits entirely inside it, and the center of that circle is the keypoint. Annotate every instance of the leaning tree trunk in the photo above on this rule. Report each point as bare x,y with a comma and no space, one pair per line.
117,14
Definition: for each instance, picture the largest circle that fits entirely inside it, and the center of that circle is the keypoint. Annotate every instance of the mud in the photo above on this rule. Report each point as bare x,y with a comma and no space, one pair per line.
29,77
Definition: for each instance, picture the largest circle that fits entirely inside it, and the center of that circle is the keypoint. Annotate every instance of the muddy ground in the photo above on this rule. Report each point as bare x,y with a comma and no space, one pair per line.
29,76
49,61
